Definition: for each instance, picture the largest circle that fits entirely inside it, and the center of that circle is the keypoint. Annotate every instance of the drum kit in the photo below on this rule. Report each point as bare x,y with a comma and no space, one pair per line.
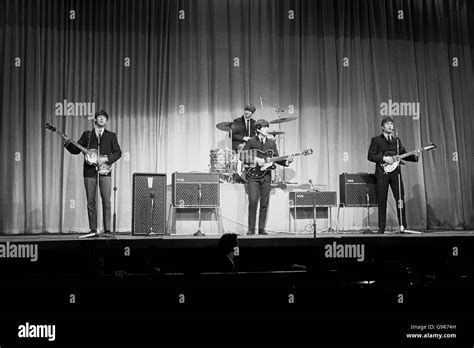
226,161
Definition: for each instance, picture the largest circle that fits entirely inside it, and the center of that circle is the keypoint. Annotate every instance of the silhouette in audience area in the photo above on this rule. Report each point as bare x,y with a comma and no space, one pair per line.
228,250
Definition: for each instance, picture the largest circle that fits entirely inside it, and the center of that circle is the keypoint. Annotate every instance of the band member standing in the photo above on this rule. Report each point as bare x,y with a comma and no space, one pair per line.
109,146
383,149
243,128
259,189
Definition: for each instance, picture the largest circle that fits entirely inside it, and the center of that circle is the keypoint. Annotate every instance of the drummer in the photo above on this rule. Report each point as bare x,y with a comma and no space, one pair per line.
243,128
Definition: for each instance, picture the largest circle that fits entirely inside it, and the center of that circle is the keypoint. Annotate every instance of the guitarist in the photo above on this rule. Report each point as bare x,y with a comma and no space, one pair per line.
382,150
109,146
260,188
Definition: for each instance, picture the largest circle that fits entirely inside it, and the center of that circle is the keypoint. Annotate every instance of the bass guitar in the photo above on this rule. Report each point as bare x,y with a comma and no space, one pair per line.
390,167
91,156
256,171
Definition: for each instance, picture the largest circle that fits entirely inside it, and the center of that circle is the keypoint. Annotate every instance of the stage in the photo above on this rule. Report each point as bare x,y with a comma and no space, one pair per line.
365,255
172,285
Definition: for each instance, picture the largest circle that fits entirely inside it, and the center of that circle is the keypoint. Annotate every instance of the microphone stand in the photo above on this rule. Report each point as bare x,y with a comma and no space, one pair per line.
198,232
400,200
152,207
114,223
367,199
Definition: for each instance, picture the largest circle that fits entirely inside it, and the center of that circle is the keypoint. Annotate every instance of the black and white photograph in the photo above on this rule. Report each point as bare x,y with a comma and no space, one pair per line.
235,172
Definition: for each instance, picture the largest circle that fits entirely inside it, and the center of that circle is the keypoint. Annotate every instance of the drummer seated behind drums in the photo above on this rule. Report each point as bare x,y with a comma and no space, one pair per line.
243,128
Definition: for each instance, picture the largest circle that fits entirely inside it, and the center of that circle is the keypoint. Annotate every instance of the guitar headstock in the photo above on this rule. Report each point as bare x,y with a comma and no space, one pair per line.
431,146
50,127
307,152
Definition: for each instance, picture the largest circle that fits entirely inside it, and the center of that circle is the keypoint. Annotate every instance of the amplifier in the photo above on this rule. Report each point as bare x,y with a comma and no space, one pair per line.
191,190
308,198
149,204
354,188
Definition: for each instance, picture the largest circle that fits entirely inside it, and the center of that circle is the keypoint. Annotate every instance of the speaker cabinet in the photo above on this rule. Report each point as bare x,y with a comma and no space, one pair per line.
193,190
149,204
354,188
308,198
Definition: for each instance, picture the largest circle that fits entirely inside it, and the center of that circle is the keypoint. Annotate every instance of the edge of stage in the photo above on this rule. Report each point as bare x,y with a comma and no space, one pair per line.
61,254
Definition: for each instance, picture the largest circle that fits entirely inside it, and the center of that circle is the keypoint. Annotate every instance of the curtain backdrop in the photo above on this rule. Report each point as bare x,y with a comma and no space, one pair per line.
168,71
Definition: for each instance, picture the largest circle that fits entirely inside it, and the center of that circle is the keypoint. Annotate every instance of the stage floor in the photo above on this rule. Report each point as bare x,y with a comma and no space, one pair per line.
58,237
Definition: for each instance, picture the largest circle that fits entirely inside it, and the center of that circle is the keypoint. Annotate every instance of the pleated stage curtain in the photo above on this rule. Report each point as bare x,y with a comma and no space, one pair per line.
168,71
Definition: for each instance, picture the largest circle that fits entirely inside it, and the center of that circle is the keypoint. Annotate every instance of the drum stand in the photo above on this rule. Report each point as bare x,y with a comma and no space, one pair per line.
280,178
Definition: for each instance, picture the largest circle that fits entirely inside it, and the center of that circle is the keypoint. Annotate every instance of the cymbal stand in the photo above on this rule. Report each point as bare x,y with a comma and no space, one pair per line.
279,111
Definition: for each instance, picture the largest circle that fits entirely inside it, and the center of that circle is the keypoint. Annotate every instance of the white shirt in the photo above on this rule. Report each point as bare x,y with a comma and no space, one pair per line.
99,132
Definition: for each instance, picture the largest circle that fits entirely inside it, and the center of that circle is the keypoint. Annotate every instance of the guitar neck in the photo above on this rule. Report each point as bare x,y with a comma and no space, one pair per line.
281,158
409,153
80,147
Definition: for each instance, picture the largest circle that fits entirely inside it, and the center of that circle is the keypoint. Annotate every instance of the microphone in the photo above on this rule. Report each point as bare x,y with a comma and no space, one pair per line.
152,192
261,103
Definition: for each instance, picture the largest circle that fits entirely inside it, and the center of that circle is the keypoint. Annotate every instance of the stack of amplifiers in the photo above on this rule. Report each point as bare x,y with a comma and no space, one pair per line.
149,204
354,189
194,190
313,198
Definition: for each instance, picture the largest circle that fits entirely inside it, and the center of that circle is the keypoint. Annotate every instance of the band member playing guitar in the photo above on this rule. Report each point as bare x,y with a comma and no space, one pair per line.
383,151
108,152
259,188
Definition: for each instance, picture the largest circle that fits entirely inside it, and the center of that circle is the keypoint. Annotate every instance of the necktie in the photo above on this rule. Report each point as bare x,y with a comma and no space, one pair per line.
248,128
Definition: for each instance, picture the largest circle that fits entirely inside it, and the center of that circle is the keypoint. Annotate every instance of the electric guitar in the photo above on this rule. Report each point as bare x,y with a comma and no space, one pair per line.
256,171
91,156
388,168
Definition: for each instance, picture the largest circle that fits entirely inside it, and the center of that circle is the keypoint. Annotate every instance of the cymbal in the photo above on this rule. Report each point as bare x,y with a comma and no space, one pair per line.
276,133
224,126
283,120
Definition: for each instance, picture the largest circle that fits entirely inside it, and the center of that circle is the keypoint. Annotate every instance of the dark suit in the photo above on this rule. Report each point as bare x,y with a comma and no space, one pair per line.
109,147
240,130
259,188
378,146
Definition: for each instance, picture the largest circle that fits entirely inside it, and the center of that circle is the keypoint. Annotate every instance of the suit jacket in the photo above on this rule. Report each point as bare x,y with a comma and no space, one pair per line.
254,143
109,146
380,145
239,131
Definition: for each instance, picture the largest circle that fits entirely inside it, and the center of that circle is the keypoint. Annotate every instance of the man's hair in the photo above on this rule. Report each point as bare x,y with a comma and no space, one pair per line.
250,107
101,113
386,119
261,123
227,243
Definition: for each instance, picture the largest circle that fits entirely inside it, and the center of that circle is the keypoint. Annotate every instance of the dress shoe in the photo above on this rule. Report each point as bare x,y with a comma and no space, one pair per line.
262,232
381,232
250,232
